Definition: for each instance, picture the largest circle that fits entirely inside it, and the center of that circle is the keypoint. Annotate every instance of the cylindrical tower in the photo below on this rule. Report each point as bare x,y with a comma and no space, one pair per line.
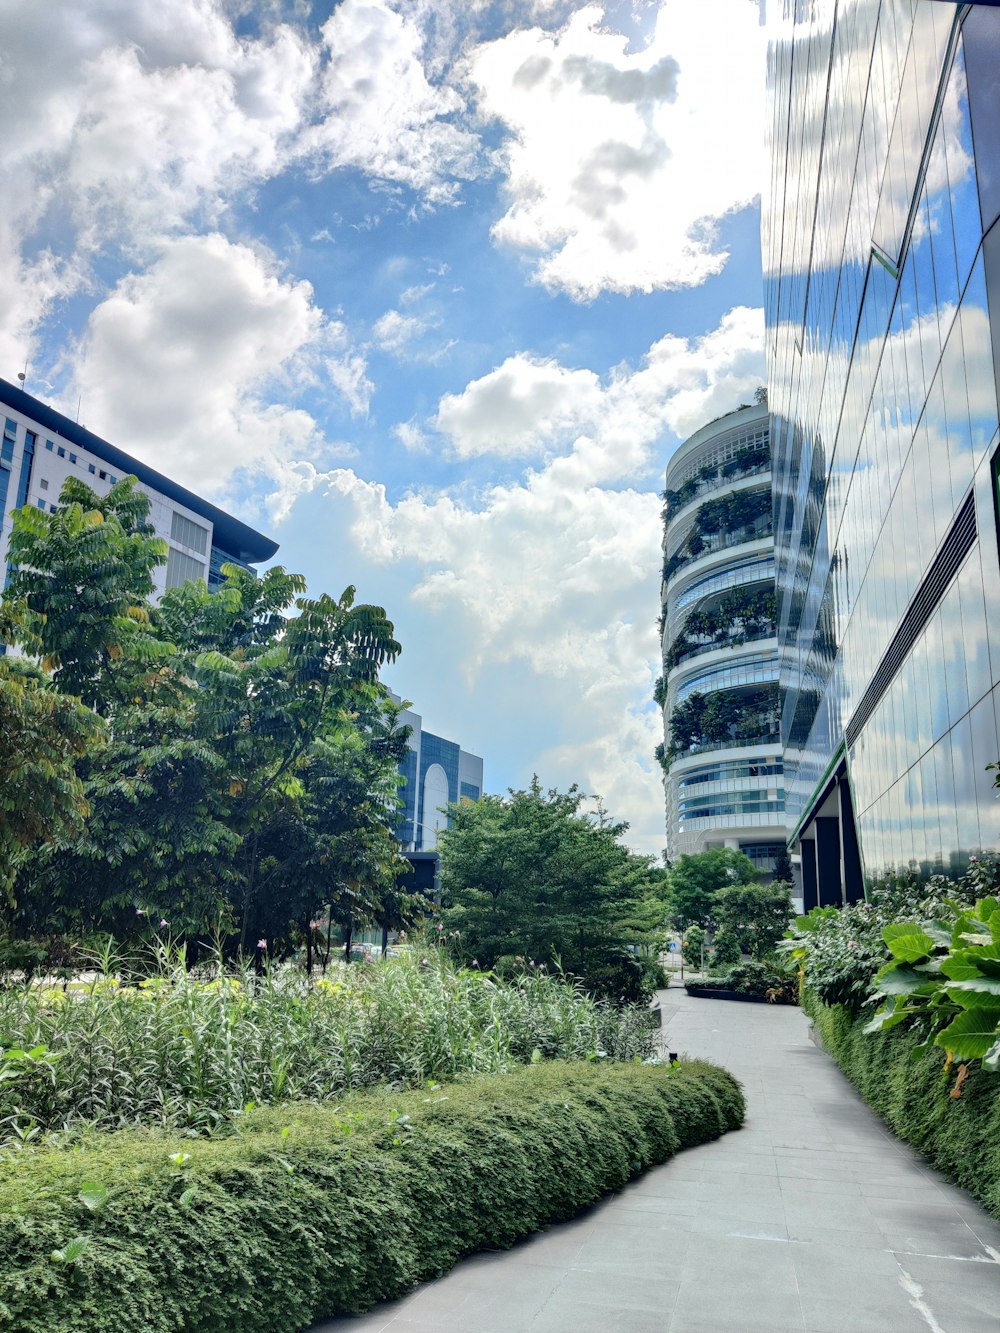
719,690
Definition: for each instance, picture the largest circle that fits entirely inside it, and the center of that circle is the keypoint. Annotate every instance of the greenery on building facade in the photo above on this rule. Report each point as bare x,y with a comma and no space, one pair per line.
723,717
731,519
738,617
744,463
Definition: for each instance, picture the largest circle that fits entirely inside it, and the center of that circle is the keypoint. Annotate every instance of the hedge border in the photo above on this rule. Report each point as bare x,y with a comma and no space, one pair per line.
311,1211
912,1093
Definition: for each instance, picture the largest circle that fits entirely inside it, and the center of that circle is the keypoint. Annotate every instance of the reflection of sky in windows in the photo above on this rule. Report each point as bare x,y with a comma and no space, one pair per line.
885,414
753,670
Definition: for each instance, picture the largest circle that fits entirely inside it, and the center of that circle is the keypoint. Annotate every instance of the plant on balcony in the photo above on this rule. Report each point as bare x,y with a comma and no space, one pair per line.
660,691
726,520
741,615
720,717
746,461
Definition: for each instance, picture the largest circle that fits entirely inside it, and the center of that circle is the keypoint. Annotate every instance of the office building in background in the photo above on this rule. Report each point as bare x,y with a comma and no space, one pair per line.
719,689
41,448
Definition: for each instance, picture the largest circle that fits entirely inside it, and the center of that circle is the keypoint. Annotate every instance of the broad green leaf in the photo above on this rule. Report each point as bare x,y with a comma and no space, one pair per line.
991,1060
971,1034
93,1195
907,941
958,967
987,959
883,1021
939,931
898,979
978,993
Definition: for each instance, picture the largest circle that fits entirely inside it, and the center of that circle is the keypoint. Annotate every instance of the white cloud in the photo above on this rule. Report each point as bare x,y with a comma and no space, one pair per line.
394,330
177,363
557,574
614,172
530,406
381,113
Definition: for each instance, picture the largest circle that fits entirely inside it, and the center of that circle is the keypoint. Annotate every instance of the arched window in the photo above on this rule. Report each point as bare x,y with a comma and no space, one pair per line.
435,799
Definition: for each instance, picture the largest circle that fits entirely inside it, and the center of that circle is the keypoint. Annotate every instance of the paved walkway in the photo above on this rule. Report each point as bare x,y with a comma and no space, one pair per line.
811,1219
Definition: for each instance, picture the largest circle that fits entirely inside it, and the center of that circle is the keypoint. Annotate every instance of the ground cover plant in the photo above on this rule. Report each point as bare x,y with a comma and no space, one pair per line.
914,1088
763,981
192,1051
312,1211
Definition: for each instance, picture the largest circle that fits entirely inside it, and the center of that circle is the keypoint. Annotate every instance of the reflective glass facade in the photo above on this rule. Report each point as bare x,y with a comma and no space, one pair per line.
880,268
721,755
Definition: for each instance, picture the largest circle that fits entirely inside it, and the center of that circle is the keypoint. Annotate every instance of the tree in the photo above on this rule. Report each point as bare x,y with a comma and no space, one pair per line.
532,876
248,771
756,915
782,872
695,880
42,799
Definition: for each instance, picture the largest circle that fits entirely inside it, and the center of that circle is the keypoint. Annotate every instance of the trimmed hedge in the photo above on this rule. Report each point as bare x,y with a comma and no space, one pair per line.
961,1136
317,1210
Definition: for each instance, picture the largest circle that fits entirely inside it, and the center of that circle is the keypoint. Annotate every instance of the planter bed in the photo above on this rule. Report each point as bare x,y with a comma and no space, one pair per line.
720,993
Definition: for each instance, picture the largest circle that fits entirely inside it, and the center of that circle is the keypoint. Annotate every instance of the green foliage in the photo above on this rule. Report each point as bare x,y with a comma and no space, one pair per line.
696,879
315,1211
531,878
722,717
744,462
725,950
758,979
731,515
915,1091
246,781
839,951
740,615
944,980
175,1050
756,915
42,800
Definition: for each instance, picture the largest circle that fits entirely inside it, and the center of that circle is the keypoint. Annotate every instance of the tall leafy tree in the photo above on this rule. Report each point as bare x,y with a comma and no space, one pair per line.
532,875
42,800
695,880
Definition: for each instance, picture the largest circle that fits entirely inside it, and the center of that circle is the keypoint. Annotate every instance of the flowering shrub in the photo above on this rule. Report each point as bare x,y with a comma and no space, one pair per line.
180,1050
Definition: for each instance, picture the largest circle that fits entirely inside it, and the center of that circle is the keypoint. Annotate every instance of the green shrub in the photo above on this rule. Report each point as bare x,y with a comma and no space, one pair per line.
913,1091
751,978
179,1051
725,950
313,1211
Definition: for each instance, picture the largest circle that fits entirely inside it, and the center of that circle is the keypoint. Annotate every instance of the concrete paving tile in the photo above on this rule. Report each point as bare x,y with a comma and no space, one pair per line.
855,1237
820,1316
795,1187
842,1262
575,1317
978,1285
766,1265
952,1240
711,1308
836,1212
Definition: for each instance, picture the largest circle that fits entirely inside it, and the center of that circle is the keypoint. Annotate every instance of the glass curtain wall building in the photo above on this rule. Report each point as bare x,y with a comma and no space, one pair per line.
882,266
721,755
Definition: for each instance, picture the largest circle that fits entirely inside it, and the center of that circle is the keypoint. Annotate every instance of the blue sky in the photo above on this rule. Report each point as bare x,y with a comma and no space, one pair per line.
427,290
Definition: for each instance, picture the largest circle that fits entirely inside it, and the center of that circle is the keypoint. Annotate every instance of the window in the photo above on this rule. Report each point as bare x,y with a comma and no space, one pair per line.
91,468
61,452
181,568
103,476
43,484
113,479
186,533
49,445
40,503
72,458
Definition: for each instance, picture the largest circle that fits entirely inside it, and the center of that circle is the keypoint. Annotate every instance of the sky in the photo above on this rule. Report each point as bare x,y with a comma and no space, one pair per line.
427,290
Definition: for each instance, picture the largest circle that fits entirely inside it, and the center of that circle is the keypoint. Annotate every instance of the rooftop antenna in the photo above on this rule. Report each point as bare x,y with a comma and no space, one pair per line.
78,402
22,375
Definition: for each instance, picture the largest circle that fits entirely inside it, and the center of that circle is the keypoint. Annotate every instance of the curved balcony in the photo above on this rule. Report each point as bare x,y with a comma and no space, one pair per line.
747,481
718,671
732,747
762,530
739,575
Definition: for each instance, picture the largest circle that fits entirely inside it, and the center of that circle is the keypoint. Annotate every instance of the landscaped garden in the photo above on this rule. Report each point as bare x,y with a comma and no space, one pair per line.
904,991
211,1117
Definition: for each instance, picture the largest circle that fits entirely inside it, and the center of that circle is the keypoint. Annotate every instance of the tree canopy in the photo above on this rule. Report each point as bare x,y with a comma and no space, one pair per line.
235,751
696,879
532,876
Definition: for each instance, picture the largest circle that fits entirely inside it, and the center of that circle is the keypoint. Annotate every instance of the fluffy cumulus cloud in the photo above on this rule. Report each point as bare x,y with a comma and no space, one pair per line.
531,406
558,573
381,113
181,364
608,154
124,120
